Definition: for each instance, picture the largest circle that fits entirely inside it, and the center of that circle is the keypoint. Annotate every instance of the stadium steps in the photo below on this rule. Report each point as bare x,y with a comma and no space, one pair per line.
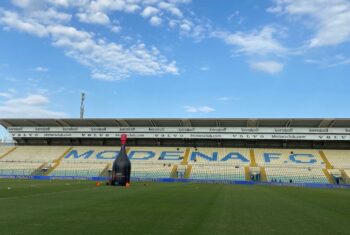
247,173
38,171
252,158
188,172
186,156
173,172
263,176
329,176
58,161
345,176
8,152
104,172
325,160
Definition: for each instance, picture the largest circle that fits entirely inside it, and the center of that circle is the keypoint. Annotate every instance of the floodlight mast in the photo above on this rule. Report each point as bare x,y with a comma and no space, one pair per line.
82,109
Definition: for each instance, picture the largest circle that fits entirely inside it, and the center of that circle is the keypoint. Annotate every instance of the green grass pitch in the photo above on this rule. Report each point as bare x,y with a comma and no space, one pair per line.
79,207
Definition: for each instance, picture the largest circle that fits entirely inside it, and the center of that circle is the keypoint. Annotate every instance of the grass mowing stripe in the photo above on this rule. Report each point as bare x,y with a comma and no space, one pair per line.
176,208
46,194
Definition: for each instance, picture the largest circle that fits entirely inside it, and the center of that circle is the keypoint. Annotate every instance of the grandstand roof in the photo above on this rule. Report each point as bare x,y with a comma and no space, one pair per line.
180,122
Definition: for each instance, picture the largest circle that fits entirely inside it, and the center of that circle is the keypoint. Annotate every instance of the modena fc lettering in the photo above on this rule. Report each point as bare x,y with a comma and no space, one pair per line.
214,156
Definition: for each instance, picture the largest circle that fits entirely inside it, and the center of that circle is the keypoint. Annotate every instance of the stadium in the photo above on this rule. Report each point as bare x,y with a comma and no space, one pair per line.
194,117
243,159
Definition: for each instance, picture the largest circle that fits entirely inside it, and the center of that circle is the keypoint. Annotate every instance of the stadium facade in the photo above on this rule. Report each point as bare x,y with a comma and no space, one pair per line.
281,133
259,150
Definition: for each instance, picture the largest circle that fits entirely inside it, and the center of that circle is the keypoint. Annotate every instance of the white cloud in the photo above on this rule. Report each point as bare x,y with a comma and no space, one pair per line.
155,21
97,11
329,62
270,67
32,99
226,98
233,15
111,5
200,109
5,95
163,12
94,18
13,91
170,8
329,19
27,25
192,28
255,42
204,68
26,3
116,29
149,11
50,15
41,69
339,63
185,27
64,3
33,105
105,59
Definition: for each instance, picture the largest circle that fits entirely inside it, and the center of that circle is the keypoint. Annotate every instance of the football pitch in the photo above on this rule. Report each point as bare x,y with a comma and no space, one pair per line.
79,207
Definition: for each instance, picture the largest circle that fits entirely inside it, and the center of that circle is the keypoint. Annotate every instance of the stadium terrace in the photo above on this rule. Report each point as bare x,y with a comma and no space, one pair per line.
294,151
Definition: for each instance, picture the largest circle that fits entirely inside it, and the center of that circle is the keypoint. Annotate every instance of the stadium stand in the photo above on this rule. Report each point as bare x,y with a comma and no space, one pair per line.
5,150
346,176
218,163
272,165
289,158
39,154
211,151
217,172
157,154
224,156
91,154
147,162
296,175
136,154
78,169
18,168
338,158
151,170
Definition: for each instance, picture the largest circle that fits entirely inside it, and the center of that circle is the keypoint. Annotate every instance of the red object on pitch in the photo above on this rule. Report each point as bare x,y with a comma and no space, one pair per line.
123,139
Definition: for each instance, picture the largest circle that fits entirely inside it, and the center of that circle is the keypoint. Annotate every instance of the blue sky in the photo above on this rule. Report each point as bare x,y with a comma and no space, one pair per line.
175,58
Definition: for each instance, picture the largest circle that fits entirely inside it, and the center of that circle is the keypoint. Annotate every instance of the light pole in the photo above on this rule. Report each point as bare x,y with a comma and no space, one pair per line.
82,105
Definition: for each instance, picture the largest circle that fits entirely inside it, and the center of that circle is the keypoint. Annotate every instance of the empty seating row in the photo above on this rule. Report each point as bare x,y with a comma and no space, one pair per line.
4,150
36,153
18,168
347,172
338,158
151,170
217,172
222,156
296,175
81,169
